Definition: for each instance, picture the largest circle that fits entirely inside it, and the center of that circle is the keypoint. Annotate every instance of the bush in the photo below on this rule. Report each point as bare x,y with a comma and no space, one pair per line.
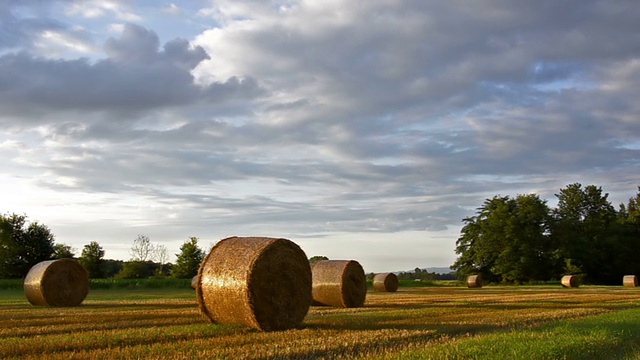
132,284
11,284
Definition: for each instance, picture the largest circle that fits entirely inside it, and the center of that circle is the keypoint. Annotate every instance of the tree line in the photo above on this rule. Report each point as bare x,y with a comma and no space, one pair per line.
522,239
24,244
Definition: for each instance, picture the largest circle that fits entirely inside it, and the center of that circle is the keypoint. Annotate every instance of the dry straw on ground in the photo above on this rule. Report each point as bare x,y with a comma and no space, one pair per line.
570,281
385,282
259,282
474,281
62,282
339,283
630,281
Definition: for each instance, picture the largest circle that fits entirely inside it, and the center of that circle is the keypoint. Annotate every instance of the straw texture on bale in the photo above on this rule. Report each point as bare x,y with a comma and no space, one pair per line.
259,282
630,281
62,282
570,281
385,282
339,283
474,281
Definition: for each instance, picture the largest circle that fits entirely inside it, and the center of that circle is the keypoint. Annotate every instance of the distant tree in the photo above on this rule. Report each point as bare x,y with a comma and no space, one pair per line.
92,259
22,245
370,276
137,270
142,248
110,268
315,259
63,251
188,261
161,256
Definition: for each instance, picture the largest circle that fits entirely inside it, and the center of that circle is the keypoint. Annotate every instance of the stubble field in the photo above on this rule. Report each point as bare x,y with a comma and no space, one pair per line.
413,323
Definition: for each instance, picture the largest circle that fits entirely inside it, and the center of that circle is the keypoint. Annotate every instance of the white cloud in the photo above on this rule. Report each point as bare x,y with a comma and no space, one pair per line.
100,8
172,9
55,44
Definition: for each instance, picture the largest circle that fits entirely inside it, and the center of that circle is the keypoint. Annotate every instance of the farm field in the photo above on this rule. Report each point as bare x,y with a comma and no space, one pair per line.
535,322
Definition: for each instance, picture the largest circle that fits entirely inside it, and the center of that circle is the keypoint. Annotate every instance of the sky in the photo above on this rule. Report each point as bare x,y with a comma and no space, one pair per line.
364,130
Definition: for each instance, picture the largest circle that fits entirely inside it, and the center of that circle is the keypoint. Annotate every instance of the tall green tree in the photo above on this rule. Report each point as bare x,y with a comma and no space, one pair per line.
528,253
481,241
189,260
92,258
630,214
628,226
22,245
584,229
508,240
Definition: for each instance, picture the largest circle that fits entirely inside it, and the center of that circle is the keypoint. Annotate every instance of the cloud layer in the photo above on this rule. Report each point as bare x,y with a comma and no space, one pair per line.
332,122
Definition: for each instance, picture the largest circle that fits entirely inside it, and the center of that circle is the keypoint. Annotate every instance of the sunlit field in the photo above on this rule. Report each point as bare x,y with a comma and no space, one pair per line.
545,322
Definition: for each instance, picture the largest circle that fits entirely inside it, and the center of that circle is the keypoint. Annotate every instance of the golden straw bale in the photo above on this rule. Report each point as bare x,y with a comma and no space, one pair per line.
259,282
339,283
570,281
630,281
62,282
194,281
474,281
385,282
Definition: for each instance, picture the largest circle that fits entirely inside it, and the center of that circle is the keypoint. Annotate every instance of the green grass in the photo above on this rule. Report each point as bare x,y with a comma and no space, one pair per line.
608,336
133,284
105,284
10,284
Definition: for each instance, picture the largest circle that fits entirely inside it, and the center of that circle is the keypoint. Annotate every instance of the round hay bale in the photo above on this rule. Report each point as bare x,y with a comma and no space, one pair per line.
474,281
570,281
194,281
263,283
62,282
339,283
630,281
385,282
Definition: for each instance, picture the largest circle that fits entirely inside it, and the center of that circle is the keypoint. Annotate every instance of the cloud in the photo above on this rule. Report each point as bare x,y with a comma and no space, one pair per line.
100,8
172,9
311,119
136,76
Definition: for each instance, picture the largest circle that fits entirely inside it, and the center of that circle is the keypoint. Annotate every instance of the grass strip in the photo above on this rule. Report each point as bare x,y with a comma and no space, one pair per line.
614,335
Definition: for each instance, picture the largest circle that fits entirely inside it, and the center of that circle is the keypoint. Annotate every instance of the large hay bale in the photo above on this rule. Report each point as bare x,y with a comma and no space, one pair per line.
570,281
194,281
474,281
62,282
339,283
259,282
385,282
630,281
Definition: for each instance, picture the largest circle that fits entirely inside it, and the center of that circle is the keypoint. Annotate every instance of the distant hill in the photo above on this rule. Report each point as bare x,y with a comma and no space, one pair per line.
434,270
439,270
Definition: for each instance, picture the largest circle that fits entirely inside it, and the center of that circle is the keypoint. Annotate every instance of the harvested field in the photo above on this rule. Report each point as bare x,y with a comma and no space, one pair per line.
167,324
